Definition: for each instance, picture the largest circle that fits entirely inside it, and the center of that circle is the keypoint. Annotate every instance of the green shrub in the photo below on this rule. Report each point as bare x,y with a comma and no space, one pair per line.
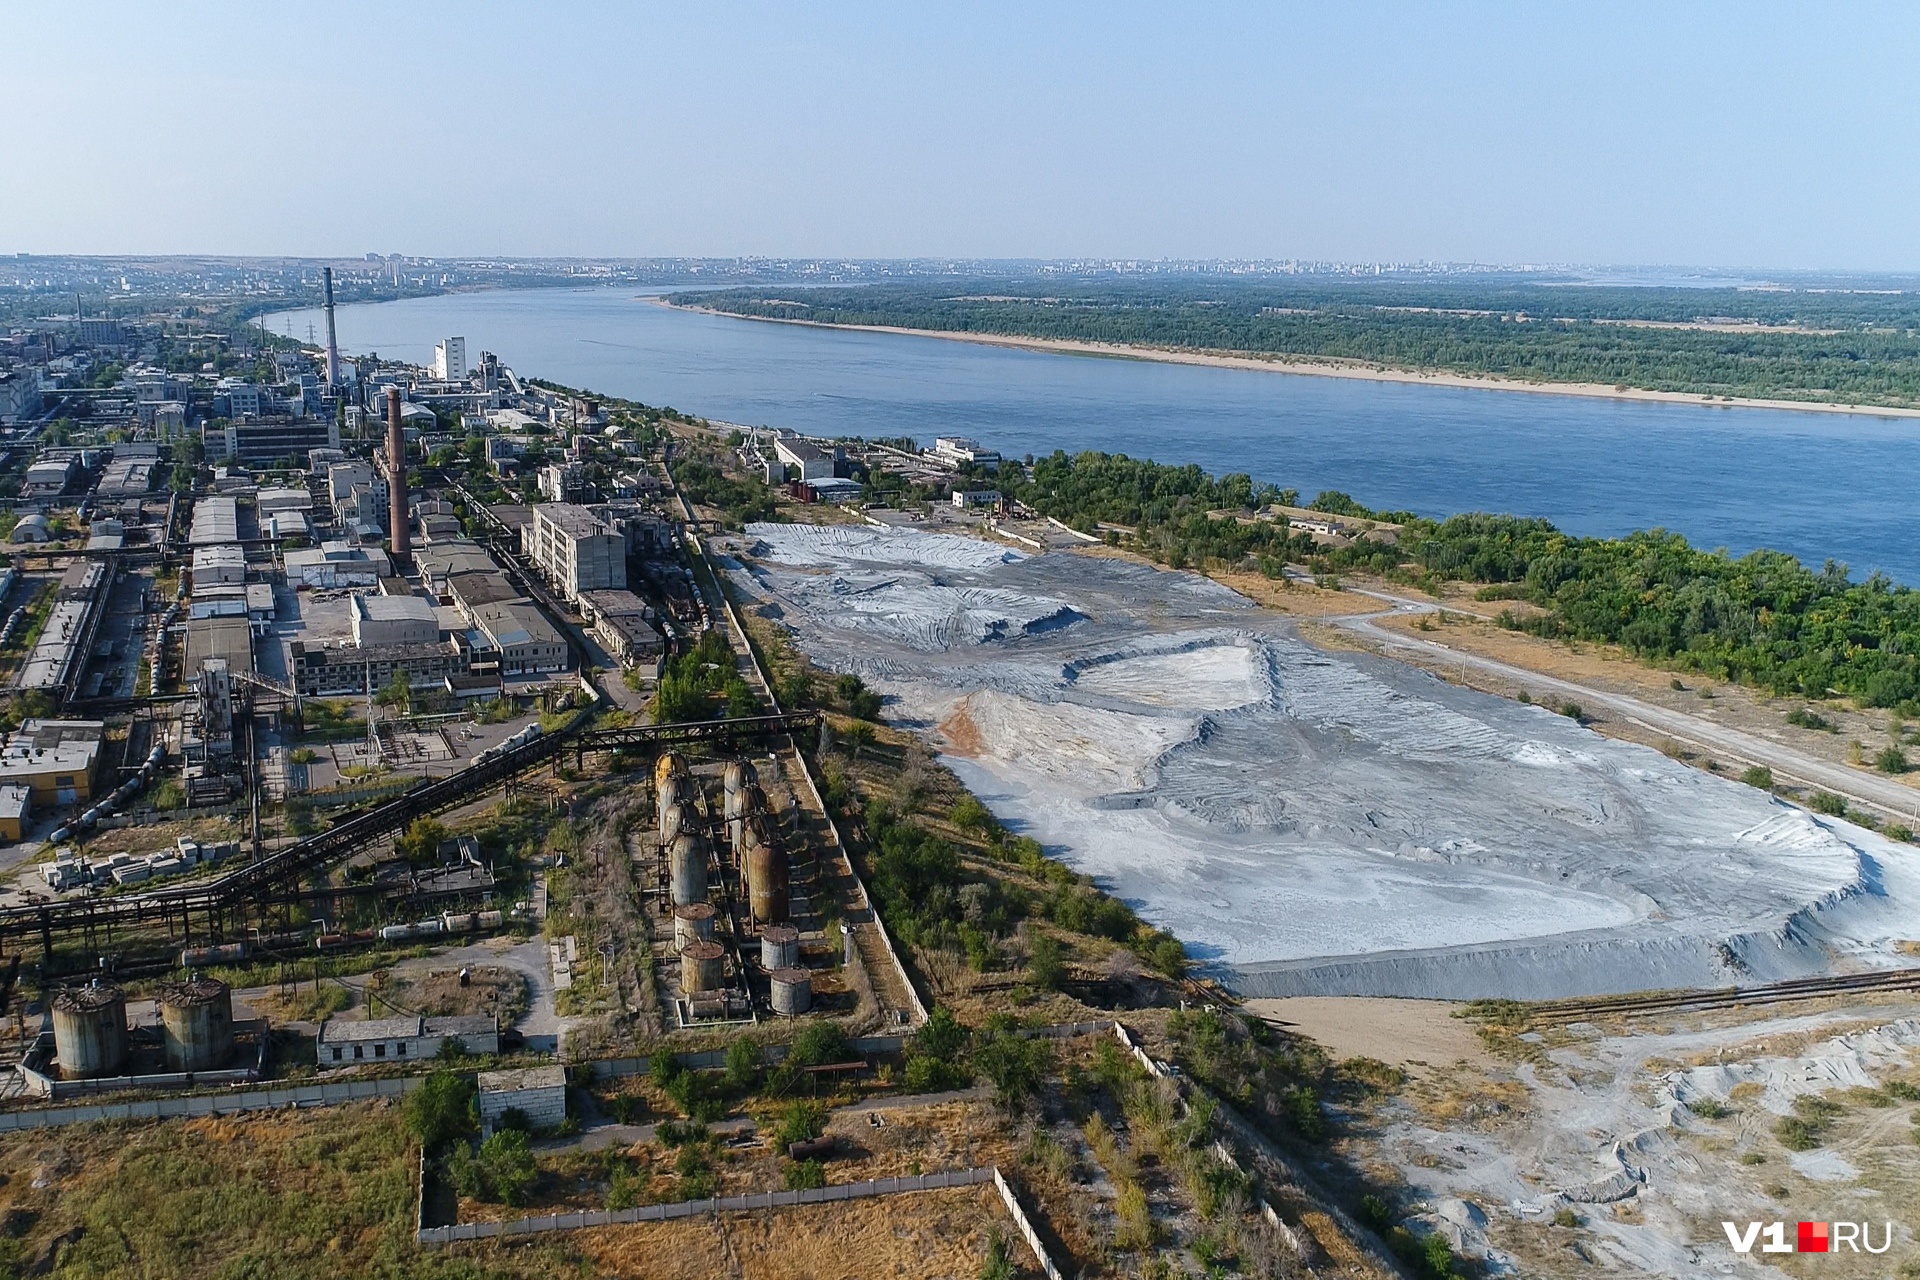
1759,776
440,1111
743,1065
504,1171
802,1122
1045,966
804,1175
1828,803
819,1044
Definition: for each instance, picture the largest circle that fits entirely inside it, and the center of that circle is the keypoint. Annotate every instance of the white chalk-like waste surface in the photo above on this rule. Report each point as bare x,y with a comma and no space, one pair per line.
1323,823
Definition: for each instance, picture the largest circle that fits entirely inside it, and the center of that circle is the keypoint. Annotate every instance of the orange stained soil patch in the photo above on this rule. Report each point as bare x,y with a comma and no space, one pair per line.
939,1235
962,734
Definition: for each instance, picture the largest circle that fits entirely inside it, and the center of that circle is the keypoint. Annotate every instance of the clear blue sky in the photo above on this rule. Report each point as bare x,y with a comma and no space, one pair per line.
1739,135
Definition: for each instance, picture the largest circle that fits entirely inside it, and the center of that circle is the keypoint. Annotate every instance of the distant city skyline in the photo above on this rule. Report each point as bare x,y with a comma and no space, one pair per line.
1739,137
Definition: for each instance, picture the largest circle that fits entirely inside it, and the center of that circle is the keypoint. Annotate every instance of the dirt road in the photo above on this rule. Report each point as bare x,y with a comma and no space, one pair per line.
1788,765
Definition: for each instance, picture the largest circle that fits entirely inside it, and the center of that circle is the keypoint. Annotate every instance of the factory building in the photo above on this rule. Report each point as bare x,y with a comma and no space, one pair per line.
525,642
393,620
804,459
476,587
226,635
57,761
223,564
351,1042
271,439
622,622
16,809
326,670
336,563
439,562
126,478
576,550
216,519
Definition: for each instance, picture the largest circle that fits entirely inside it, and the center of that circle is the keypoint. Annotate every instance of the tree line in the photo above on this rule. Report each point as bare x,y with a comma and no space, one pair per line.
1854,348
1763,619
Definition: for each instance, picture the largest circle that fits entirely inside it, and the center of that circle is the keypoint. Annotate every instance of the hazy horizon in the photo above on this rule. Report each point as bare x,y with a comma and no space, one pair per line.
1729,137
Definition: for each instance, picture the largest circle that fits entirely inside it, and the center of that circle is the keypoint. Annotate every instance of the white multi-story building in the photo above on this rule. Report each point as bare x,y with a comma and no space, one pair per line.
958,451
575,550
450,359
19,394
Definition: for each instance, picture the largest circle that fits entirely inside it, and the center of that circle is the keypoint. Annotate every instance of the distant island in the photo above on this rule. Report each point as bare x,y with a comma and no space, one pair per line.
1790,348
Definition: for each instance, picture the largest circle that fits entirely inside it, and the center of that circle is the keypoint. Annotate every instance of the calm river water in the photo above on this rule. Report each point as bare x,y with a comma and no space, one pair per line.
1819,485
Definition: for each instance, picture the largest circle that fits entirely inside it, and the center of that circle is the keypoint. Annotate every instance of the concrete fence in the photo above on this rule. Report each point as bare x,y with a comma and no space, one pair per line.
337,1092
718,1204
331,1094
1025,1225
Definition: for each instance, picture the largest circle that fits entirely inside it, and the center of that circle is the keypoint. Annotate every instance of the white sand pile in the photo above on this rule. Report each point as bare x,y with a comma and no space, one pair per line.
1326,823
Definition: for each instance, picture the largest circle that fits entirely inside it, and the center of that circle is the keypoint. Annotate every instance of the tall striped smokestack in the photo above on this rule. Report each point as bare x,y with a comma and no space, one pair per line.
397,480
333,343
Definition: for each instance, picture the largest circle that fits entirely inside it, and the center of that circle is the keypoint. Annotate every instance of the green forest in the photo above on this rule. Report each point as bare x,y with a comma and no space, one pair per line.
1836,346
1763,619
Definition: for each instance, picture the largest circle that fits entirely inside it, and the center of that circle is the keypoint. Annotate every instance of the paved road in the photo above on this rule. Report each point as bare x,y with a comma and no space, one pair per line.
1788,764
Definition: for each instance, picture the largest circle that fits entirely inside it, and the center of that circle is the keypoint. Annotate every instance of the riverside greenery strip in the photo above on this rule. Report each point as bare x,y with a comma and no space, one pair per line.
1763,619
1836,347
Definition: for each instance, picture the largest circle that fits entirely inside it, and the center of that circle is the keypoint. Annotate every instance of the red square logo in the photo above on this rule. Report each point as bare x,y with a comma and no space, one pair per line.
1813,1237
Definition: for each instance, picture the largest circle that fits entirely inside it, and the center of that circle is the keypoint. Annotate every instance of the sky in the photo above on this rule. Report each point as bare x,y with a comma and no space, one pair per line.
1731,135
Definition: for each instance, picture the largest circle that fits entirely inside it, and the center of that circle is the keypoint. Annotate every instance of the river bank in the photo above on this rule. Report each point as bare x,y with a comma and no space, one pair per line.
1323,368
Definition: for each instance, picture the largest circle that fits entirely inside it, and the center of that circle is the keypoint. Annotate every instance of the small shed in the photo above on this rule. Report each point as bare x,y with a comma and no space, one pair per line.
15,807
539,1093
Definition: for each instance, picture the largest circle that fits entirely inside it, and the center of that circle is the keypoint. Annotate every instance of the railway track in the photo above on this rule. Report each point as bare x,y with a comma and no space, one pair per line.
1725,997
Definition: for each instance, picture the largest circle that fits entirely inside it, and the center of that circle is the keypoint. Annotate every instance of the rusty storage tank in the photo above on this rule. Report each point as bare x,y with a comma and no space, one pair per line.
687,869
702,968
668,766
692,923
766,868
90,1032
673,820
739,804
792,991
779,947
197,1019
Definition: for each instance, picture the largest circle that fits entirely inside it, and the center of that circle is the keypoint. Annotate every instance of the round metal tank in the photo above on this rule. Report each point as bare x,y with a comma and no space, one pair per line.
674,820
197,1019
687,870
766,877
90,1032
792,991
738,777
741,806
779,947
692,923
672,792
667,766
702,967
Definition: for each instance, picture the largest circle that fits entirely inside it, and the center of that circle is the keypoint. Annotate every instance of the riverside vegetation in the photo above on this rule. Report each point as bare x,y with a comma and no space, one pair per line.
1762,619
1844,347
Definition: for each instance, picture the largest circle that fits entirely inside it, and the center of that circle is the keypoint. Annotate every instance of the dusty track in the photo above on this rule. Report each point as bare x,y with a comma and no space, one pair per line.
1787,764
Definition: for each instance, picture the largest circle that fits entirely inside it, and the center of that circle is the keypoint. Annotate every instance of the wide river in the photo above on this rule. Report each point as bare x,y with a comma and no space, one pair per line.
1823,486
